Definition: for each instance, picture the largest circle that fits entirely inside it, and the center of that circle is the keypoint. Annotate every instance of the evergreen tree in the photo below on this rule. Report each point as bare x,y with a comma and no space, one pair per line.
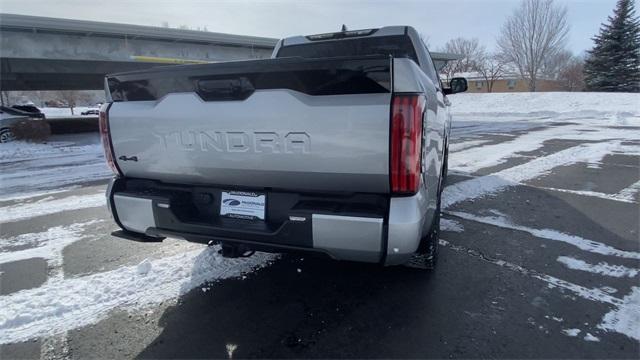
614,62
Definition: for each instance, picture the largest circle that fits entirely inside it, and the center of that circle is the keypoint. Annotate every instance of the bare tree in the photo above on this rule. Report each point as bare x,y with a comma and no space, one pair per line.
537,29
472,52
10,98
70,98
491,67
572,75
553,65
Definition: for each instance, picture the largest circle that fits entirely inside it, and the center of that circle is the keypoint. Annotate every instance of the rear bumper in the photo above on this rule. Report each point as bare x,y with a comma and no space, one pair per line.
354,227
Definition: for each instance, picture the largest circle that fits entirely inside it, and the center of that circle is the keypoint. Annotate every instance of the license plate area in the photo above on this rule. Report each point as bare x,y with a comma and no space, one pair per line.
242,205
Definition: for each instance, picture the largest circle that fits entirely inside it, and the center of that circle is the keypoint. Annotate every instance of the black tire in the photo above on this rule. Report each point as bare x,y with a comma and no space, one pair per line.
6,135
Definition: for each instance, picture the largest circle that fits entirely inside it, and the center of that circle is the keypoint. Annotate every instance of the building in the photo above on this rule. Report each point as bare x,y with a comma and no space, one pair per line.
508,83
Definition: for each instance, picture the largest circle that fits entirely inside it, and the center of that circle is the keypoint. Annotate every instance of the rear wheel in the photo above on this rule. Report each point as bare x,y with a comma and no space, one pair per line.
426,256
6,135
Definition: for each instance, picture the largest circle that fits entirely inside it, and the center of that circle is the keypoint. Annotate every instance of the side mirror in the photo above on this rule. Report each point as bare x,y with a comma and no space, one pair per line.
456,85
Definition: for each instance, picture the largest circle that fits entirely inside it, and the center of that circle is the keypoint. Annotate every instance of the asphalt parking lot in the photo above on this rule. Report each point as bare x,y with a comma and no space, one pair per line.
539,258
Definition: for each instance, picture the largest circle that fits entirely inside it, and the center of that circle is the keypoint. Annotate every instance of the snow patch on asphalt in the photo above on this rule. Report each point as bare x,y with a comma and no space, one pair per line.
47,245
552,282
622,197
625,319
459,146
601,268
590,337
47,207
32,194
66,160
630,192
548,234
571,332
65,304
451,225
489,184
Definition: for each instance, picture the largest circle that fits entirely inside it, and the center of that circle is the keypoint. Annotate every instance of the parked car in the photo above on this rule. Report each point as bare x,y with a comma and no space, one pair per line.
91,112
32,110
338,145
8,117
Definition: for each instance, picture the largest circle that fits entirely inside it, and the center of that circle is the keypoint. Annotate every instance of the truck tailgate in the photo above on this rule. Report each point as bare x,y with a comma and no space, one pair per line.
291,123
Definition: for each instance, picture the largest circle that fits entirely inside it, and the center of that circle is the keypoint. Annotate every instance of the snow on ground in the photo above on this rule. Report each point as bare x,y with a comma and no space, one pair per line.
603,123
551,103
498,181
66,160
601,268
65,304
450,225
625,319
51,112
591,246
48,206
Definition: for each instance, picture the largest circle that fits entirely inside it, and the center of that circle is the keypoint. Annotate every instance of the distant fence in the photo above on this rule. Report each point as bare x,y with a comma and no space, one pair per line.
73,125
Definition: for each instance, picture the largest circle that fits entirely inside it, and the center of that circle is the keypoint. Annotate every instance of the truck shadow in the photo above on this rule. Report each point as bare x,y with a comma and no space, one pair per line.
284,309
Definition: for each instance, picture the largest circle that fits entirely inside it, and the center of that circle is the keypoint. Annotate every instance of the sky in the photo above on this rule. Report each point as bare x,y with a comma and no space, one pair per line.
438,20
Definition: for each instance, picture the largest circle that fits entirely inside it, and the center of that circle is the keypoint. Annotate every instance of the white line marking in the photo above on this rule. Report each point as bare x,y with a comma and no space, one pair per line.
489,184
548,234
623,319
30,210
614,197
630,192
584,292
601,268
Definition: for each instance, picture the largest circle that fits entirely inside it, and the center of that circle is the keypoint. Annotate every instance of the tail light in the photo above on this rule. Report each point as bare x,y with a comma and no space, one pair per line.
406,143
105,136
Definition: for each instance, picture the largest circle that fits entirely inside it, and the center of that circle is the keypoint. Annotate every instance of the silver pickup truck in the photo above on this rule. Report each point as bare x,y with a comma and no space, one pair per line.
336,145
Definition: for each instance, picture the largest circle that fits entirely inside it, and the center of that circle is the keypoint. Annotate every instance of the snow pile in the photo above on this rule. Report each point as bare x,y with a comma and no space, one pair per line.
64,304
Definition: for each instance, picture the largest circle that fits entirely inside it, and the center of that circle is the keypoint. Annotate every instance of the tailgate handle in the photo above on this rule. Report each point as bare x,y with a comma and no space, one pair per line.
225,89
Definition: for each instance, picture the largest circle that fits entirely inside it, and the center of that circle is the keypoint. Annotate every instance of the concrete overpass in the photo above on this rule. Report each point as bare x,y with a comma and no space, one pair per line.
40,53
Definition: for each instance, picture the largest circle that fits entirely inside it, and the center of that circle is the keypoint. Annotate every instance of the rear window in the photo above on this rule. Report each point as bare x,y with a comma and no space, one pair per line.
398,46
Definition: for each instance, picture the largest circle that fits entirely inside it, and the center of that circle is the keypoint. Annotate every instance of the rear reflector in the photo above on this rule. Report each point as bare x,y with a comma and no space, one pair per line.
406,143
105,136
